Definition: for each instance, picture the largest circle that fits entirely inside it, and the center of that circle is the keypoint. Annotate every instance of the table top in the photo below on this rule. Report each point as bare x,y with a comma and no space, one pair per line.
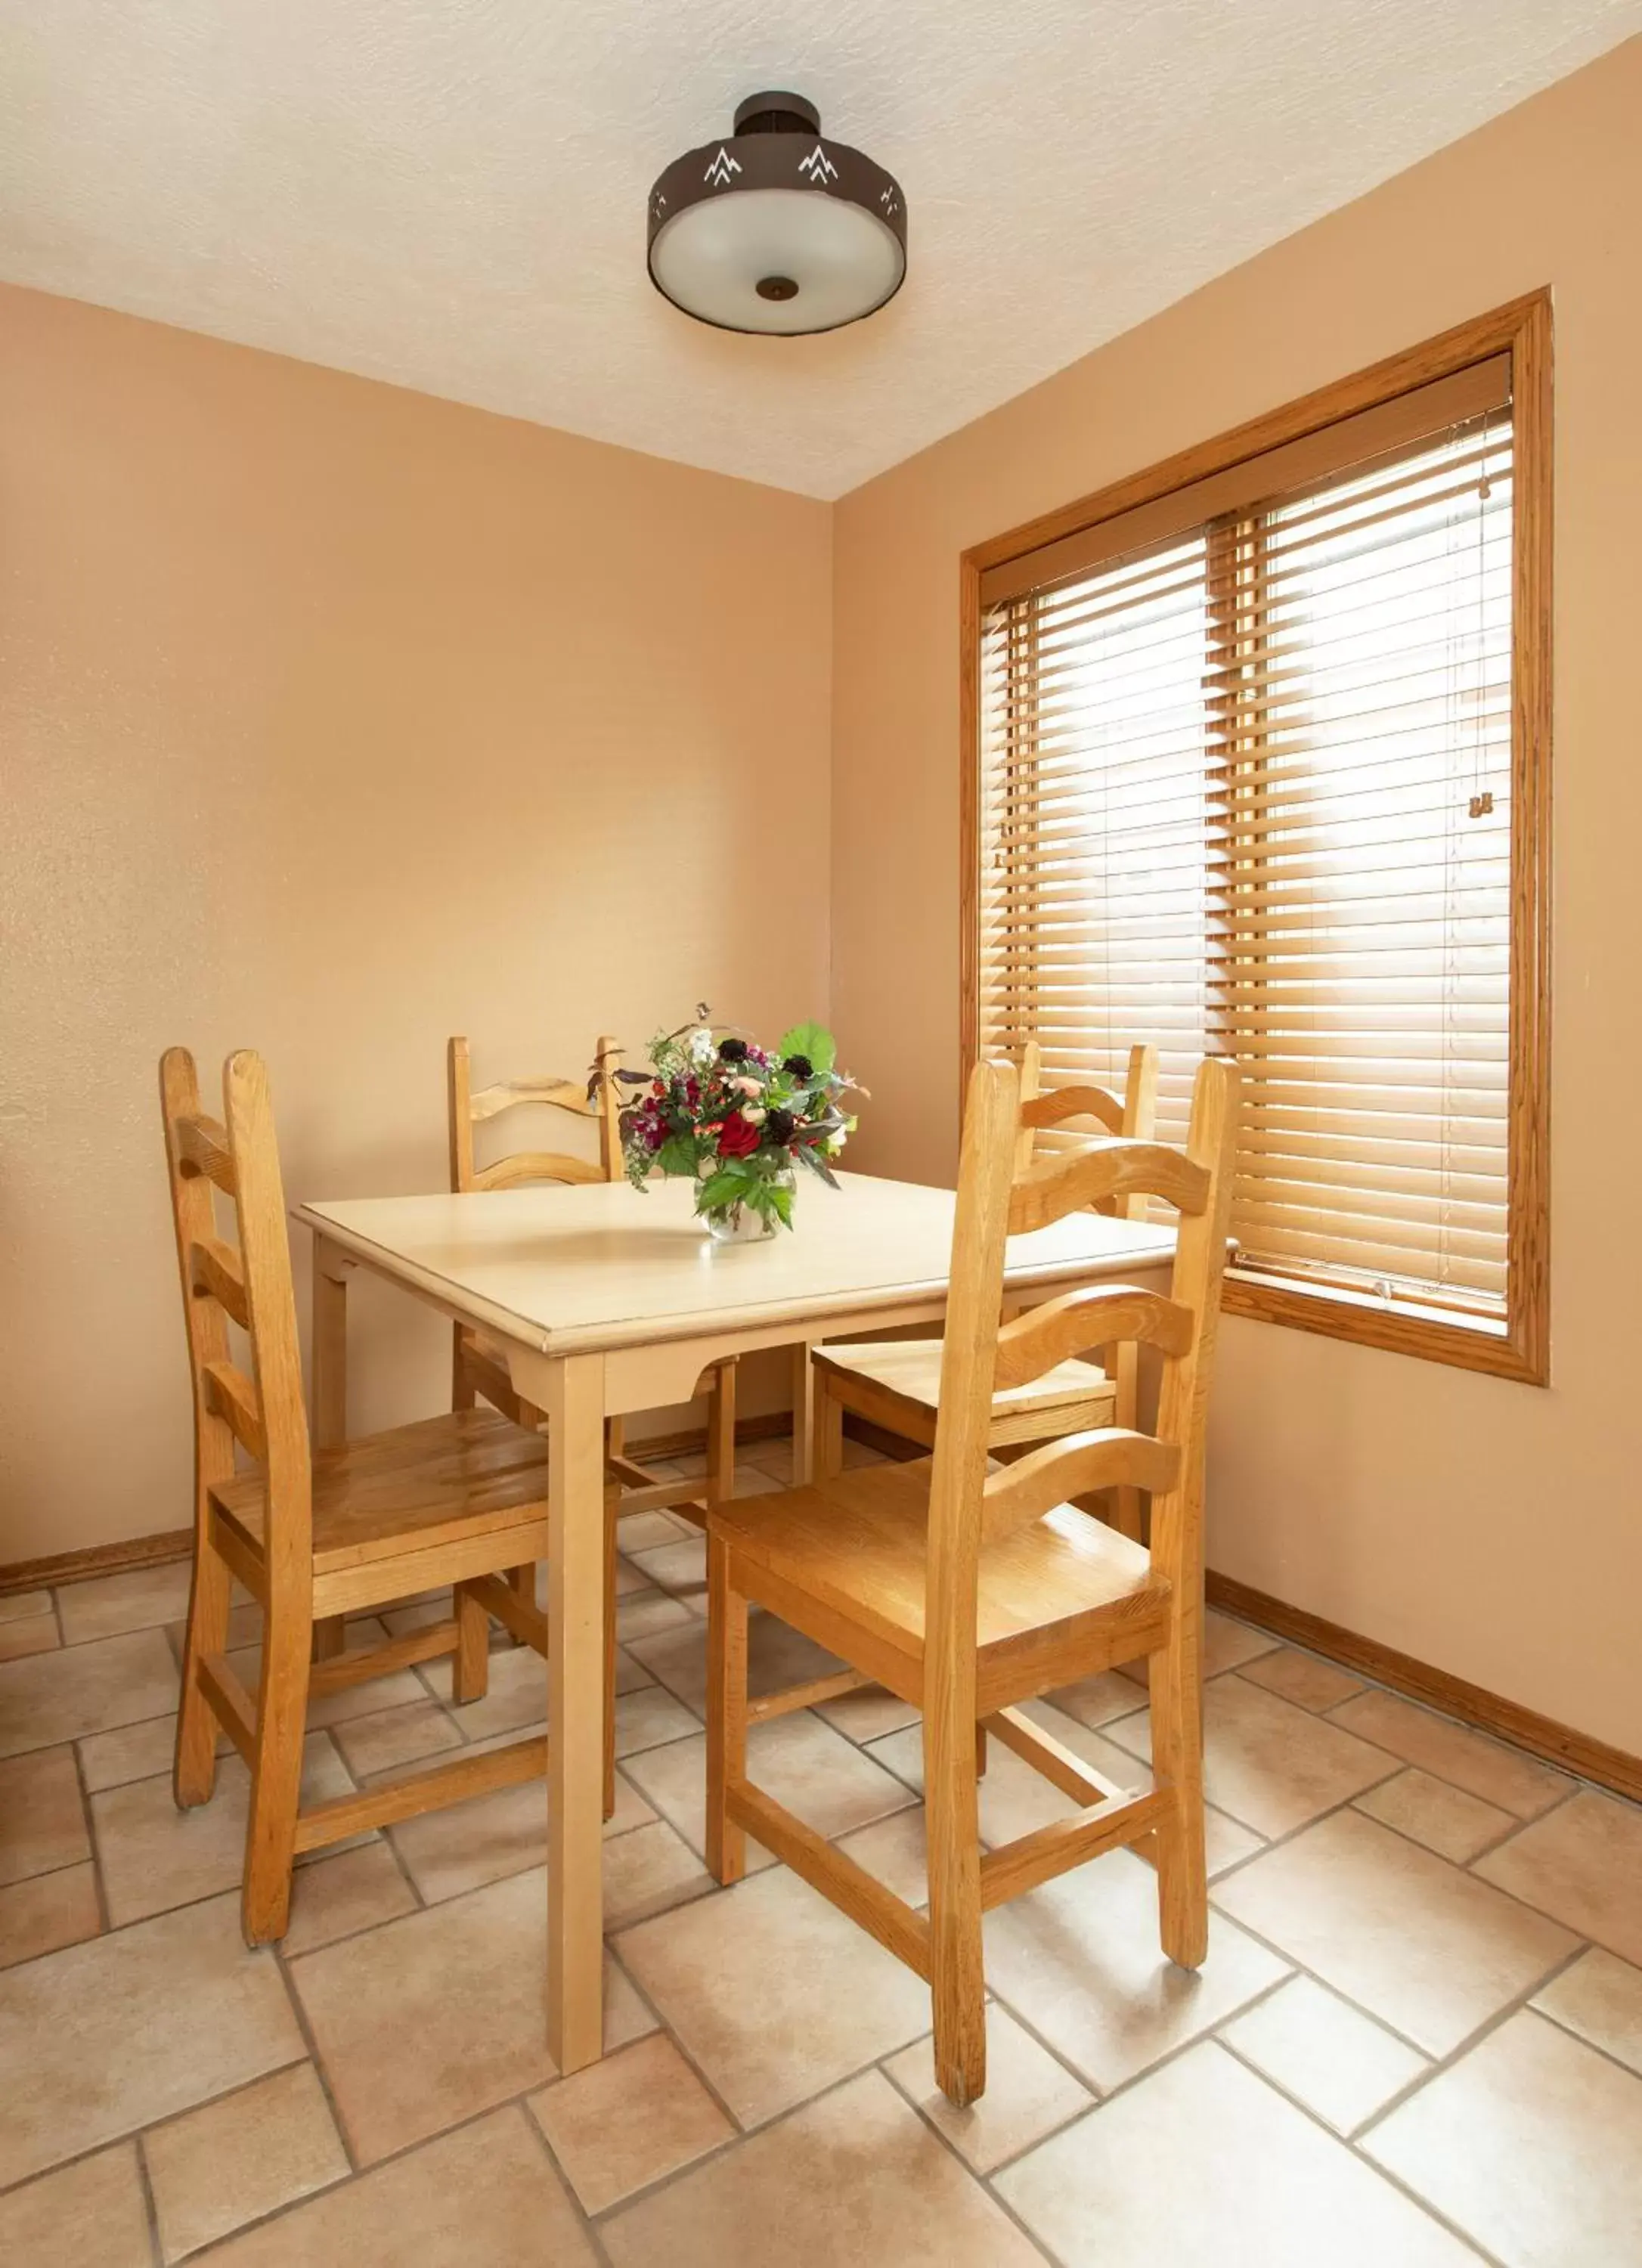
570,1270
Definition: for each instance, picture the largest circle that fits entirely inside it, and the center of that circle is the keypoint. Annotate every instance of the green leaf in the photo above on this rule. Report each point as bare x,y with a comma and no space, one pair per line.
812,1039
677,1154
781,1202
726,1187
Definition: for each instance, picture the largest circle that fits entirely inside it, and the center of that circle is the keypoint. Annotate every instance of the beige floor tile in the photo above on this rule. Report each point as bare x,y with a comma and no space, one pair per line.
674,1778
91,2215
751,1480
857,1453
1532,2144
773,1992
132,1752
1028,2094
1601,1998
110,2036
855,2179
645,1612
629,1675
1204,2166
517,1696
1015,1799
1226,1645
625,2123
1330,2056
154,1856
774,1457
46,1912
680,1567
1444,1818
1098,1700
869,1714
464,1845
382,1743
326,1709
244,2156
1583,1866
895,1851
486,2197
42,1822
832,1786
777,1656
652,1531
36,1635
1430,1951
428,2020
1304,1679
399,1621
646,1871
1469,1760
649,1718
23,1606
79,1690
139,1599
339,1894
1272,1766
1079,1959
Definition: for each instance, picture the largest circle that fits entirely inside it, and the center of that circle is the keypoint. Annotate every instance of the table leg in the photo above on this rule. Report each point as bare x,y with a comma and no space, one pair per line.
329,1420
574,1402
803,1415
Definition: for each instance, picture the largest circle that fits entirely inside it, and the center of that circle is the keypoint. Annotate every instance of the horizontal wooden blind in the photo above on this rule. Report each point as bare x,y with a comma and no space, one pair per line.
1246,789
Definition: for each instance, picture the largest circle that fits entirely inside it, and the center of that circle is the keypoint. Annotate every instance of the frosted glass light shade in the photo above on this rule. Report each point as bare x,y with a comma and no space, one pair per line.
710,259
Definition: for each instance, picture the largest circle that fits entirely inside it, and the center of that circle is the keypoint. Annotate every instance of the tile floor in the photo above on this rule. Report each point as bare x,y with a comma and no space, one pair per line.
1418,2039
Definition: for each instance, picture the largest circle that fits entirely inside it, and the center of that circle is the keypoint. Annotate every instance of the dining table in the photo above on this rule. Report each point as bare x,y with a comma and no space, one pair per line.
608,1299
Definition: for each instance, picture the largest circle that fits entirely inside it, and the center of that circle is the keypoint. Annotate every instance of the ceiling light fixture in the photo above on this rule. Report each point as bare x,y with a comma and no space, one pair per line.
775,228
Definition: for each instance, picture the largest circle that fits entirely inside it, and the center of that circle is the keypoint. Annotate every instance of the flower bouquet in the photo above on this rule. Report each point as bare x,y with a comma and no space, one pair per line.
738,1119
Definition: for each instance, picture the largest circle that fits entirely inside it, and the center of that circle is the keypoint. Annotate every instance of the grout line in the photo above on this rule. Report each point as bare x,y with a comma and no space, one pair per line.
151,2203
93,1850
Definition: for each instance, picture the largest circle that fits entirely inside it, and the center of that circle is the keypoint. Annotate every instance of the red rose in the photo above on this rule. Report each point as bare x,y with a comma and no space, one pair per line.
736,1138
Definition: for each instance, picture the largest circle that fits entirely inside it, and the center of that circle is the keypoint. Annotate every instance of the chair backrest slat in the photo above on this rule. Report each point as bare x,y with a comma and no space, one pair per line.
1113,1457
1047,1109
262,1410
509,1093
981,1356
1035,1342
468,1110
525,1166
1115,1169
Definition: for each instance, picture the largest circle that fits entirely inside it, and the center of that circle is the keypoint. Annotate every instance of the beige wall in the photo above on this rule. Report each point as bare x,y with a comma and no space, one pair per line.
334,720
1491,1528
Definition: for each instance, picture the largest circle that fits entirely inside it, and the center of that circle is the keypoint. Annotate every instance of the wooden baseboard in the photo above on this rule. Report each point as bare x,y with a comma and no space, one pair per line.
177,1542
99,1559
1578,1753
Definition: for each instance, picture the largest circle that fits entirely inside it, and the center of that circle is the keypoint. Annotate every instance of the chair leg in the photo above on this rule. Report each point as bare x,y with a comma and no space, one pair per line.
957,1979
726,1712
275,1779
980,1752
194,1773
612,1559
1176,1688
470,1665
828,1433
330,1637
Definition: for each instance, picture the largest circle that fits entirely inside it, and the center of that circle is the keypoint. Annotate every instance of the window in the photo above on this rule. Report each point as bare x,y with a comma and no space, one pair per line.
1262,773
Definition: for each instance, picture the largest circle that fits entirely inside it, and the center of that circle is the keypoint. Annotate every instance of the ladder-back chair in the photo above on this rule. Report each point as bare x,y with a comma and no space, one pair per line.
968,1592
479,1370
457,1500
895,1383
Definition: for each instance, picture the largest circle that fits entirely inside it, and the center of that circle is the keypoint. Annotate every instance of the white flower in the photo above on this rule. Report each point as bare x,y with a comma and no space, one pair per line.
702,1045
753,1117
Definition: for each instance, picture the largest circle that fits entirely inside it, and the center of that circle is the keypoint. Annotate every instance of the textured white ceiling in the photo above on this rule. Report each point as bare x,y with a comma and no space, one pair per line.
450,193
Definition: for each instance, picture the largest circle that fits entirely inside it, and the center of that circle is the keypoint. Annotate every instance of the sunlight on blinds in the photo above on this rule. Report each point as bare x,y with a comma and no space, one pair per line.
1247,792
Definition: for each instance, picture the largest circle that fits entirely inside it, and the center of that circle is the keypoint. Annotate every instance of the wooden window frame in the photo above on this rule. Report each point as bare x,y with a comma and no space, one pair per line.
1523,329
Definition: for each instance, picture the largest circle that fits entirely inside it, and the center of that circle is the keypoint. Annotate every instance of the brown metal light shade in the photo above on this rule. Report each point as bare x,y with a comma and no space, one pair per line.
776,229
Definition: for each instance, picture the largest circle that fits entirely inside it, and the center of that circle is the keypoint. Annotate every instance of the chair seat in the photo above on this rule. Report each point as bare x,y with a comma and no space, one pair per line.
855,1546
469,1473
897,1383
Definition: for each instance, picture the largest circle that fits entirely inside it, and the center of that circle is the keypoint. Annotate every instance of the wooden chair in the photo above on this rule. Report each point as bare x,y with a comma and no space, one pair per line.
455,1499
479,1371
966,1593
895,1383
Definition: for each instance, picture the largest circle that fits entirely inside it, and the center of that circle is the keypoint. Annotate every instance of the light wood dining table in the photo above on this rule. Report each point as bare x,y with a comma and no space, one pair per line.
610,1299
